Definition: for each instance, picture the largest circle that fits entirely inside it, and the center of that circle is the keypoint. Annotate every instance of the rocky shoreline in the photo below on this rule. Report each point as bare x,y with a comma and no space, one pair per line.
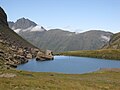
14,56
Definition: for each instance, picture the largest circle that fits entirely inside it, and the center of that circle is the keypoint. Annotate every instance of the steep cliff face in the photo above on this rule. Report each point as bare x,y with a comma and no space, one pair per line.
114,42
3,17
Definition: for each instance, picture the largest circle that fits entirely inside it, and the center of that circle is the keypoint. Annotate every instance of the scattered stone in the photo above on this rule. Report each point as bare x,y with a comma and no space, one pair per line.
51,74
40,59
1,52
11,64
8,75
29,56
20,51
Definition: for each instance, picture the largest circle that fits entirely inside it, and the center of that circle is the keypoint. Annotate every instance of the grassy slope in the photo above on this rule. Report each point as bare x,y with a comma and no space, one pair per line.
102,80
103,53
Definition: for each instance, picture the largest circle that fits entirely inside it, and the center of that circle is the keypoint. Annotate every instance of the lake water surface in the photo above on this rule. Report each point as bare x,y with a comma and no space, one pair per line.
69,64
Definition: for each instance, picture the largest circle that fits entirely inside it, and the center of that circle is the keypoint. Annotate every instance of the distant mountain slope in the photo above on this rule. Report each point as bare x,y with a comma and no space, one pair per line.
59,40
89,40
114,42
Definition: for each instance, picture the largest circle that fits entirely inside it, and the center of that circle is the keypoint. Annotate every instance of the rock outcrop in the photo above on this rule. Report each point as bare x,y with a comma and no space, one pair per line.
114,42
44,56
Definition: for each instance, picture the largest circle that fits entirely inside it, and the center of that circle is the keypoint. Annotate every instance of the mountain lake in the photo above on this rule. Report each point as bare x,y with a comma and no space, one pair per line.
69,65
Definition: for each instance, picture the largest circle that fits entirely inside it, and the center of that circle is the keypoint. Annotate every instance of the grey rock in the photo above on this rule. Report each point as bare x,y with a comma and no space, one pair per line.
29,56
44,56
21,24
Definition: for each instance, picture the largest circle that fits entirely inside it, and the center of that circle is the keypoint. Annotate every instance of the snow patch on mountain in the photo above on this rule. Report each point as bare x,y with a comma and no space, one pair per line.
105,38
30,29
17,30
37,28
22,30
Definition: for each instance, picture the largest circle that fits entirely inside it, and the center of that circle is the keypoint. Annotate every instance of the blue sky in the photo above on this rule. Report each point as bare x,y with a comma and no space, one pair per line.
73,15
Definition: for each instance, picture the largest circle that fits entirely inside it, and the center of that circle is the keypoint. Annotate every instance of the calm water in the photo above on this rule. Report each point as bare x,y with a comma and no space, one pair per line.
69,64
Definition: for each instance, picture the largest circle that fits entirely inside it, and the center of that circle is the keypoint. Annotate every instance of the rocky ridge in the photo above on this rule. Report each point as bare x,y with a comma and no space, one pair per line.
114,42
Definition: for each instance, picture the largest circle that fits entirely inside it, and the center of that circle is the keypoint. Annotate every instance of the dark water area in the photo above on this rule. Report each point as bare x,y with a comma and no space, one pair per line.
69,65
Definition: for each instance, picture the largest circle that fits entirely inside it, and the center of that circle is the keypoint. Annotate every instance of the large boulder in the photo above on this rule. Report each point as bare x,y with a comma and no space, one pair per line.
45,56
40,56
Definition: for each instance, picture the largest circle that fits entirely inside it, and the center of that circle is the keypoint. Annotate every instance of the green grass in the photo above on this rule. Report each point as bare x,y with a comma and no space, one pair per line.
102,80
113,54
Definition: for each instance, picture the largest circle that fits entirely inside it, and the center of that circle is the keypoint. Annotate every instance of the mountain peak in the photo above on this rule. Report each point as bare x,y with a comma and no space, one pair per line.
23,23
